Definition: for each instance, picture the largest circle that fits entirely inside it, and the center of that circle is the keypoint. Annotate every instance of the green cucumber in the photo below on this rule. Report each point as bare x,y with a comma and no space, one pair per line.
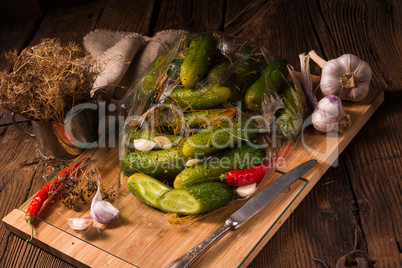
198,119
196,199
246,156
249,70
218,138
272,80
148,83
173,70
197,60
290,121
161,164
146,188
220,74
205,97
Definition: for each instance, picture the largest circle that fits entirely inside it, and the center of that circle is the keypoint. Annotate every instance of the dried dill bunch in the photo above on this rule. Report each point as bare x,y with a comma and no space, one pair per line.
46,81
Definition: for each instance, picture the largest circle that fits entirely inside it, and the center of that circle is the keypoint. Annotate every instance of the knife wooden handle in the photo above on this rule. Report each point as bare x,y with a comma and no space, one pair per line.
190,257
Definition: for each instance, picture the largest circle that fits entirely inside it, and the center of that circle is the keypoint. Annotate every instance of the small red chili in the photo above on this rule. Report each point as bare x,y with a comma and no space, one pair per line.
253,174
43,194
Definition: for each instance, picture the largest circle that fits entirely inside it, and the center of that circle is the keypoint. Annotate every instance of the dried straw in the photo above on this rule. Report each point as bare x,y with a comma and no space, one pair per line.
46,81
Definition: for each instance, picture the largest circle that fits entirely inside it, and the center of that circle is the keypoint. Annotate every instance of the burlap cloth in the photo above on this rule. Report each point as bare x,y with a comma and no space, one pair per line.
123,57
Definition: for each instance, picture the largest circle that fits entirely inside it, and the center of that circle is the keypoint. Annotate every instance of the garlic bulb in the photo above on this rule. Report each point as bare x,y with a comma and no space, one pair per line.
79,224
330,115
101,210
347,76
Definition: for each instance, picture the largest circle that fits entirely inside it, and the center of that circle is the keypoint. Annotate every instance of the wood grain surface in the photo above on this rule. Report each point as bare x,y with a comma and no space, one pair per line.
362,193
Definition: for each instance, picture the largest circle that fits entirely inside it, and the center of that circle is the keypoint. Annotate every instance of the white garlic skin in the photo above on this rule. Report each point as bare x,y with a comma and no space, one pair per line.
330,115
356,73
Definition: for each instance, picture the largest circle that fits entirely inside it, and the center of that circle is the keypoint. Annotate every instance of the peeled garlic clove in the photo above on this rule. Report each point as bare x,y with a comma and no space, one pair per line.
79,225
246,190
192,162
163,142
101,210
144,145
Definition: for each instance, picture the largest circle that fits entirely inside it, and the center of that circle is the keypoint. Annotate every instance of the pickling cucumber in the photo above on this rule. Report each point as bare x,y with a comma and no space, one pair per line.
248,155
197,60
220,74
249,70
146,188
217,138
148,83
200,98
197,199
173,70
199,118
162,164
272,80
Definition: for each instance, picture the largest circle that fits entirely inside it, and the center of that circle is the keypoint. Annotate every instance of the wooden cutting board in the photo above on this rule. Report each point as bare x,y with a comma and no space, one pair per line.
141,237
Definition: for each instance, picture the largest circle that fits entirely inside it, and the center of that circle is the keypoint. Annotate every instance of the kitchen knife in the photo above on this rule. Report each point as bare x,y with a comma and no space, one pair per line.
244,213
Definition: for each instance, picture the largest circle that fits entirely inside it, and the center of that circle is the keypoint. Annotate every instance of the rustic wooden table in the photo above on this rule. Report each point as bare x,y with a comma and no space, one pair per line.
362,194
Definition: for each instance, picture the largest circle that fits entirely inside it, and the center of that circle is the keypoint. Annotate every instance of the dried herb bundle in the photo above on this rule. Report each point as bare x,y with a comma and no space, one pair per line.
46,81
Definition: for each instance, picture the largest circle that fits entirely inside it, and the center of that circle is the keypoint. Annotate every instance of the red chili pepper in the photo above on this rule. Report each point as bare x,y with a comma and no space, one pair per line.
254,174
43,194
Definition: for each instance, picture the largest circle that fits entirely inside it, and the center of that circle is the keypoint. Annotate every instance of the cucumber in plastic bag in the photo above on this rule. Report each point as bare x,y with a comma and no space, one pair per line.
194,95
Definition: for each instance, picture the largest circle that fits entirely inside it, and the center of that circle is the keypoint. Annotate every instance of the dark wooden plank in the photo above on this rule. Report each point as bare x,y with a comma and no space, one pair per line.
321,227
242,16
22,9
375,167
14,35
127,16
69,24
193,16
282,27
369,29
20,178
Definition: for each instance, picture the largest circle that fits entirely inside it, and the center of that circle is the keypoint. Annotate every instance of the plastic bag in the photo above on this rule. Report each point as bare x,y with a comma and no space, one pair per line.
210,104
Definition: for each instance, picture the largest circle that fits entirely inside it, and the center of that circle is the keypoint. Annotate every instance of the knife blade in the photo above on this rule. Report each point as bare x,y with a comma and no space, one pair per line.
244,213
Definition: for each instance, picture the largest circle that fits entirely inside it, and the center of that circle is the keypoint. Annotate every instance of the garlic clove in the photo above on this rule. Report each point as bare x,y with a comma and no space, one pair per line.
246,190
101,210
163,142
144,145
79,225
192,162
